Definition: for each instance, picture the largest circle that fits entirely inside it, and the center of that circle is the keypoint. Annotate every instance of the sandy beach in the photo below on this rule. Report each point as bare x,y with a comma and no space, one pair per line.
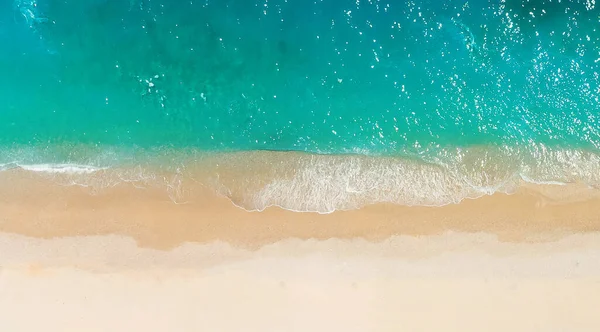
131,259
300,166
452,282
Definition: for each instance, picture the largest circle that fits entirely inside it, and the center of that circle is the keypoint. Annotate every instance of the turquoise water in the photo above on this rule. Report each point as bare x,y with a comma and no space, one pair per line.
416,79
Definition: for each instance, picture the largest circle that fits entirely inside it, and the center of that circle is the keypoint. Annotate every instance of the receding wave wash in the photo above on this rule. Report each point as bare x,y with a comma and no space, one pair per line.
307,105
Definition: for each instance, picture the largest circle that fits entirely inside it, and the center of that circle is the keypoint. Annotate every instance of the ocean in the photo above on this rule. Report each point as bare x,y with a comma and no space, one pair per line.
311,106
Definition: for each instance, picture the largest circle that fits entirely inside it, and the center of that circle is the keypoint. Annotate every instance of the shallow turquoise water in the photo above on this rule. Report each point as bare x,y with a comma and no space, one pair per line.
391,77
480,94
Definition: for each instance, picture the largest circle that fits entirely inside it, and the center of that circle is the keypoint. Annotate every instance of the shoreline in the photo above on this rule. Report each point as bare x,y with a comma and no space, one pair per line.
304,182
36,206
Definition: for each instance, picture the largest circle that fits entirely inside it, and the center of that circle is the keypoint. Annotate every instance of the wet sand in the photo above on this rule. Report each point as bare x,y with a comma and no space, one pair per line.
36,206
130,259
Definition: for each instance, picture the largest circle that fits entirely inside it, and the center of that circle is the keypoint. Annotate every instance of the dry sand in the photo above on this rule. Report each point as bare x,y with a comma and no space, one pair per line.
464,283
132,260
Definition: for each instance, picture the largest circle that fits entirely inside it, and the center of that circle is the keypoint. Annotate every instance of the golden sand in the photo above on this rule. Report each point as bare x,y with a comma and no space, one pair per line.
38,207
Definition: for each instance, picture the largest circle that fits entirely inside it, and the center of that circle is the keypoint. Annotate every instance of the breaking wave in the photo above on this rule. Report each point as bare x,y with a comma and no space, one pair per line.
306,182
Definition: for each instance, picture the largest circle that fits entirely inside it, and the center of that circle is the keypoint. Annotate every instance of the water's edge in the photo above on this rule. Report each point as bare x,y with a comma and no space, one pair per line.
304,182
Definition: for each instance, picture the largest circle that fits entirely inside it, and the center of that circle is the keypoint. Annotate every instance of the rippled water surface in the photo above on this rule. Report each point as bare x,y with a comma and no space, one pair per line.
486,91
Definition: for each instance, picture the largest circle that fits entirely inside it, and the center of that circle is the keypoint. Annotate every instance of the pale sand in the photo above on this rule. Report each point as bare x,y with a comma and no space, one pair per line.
463,283
128,259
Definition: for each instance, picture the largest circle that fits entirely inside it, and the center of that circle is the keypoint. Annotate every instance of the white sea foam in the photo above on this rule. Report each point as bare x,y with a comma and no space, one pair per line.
8,165
328,184
61,168
323,184
533,181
